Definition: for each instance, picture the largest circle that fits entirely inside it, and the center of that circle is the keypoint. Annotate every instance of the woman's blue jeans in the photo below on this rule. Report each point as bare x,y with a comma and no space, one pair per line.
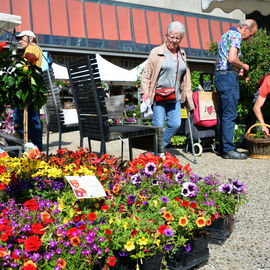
172,110
227,86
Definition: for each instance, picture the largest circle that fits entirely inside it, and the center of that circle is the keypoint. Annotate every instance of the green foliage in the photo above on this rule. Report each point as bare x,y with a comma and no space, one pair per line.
20,82
178,140
256,53
195,79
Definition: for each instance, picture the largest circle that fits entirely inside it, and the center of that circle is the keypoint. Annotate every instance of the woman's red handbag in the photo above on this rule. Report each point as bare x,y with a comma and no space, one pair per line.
164,94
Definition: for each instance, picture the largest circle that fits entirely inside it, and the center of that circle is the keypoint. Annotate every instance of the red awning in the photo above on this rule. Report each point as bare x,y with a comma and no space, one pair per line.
113,26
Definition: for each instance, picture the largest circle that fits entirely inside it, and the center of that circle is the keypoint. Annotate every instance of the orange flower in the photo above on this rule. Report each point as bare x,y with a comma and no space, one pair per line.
3,252
62,263
33,153
167,215
29,265
3,154
209,222
201,222
116,188
46,217
75,241
183,221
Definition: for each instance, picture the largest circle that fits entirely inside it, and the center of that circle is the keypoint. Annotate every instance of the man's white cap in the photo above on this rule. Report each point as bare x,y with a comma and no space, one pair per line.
26,33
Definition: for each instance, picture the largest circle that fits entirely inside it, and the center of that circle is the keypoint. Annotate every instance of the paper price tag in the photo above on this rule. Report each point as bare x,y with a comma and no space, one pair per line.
86,186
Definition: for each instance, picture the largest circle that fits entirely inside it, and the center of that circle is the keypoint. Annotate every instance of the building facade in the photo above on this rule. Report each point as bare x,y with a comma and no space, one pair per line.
122,31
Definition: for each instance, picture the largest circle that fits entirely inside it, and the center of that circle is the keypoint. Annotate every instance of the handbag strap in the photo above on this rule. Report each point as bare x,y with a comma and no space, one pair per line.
176,70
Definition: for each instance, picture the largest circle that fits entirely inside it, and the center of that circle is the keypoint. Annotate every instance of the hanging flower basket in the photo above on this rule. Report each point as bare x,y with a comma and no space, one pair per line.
258,147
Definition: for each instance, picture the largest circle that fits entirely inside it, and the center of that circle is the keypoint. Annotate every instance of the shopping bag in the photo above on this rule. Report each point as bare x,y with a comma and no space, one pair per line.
205,111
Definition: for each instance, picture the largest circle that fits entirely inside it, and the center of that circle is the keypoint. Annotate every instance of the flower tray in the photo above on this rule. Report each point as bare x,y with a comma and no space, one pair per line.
150,263
258,147
199,253
220,229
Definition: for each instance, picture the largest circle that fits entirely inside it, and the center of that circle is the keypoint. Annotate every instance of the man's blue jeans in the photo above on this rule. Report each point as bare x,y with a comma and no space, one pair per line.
227,86
173,113
34,123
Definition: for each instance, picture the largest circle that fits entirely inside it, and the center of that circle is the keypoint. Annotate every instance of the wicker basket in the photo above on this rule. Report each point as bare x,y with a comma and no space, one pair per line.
258,147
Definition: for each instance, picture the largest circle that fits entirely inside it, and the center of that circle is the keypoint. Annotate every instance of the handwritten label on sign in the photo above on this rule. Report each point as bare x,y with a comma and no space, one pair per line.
86,186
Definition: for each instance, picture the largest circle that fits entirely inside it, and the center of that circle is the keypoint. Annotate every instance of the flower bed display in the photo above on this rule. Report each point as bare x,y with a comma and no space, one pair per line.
154,208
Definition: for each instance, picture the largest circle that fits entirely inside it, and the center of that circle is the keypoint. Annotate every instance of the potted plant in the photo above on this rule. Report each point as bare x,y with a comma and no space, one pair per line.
21,83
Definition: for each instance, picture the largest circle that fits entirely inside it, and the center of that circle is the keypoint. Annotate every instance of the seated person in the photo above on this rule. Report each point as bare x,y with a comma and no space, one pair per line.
264,91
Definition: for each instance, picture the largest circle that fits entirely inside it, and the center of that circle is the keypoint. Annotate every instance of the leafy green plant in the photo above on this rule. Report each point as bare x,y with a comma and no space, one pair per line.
21,82
238,133
178,140
195,78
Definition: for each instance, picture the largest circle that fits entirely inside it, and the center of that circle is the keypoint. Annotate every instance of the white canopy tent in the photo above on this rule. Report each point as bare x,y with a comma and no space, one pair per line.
8,21
109,72
247,6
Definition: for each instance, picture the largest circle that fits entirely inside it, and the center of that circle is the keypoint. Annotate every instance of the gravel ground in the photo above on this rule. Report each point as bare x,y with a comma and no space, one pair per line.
248,247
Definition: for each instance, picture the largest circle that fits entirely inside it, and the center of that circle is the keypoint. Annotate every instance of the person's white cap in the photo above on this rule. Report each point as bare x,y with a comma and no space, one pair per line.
26,33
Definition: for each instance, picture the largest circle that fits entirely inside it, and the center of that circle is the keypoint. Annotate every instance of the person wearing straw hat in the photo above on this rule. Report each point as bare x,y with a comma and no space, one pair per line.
28,42
264,91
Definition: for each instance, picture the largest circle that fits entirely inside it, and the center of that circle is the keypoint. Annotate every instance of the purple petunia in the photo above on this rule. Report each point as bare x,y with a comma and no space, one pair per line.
179,177
164,199
225,188
155,182
168,246
136,179
168,232
189,189
188,248
131,198
239,187
150,168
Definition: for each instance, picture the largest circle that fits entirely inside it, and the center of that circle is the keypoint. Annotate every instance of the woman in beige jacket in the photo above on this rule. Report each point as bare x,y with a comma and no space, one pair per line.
161,72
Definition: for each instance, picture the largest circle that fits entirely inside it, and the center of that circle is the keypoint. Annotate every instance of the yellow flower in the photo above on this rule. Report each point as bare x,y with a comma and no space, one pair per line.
129,245
126,225
155,202
201,222
72,212
61,205
183,221
143,241
157,242
111,221
66,220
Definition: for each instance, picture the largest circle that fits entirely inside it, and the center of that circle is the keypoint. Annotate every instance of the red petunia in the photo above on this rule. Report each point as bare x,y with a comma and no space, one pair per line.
76,218
111,261
14,256
2,44
31,205
177,199
104,207
134,232
185,203
108,231
92,216
82,227
33,243
37,228
162,228
187,168
193,205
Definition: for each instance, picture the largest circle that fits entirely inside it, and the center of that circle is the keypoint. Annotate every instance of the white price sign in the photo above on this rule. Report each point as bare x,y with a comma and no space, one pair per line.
86,186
